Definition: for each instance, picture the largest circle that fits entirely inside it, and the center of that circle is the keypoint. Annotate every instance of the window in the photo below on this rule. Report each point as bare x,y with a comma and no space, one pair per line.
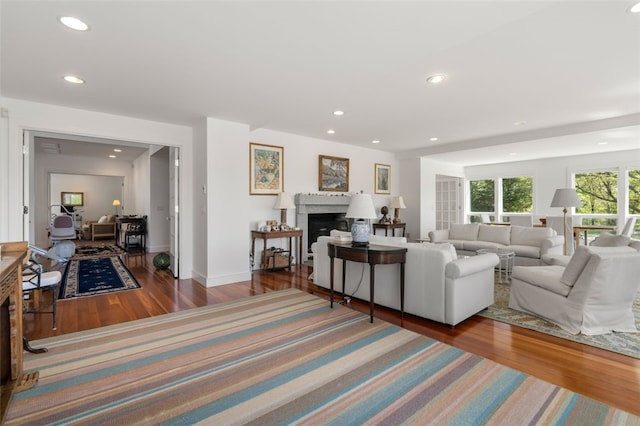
517,194
482,198
633,191
598,192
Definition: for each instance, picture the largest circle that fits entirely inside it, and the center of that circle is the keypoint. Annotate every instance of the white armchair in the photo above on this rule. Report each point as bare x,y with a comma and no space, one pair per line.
593,294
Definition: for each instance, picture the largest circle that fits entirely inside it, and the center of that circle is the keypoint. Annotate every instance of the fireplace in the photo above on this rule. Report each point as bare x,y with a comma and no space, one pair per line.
322,223
330,211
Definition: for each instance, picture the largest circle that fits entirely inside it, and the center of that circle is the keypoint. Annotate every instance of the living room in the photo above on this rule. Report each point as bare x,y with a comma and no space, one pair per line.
519,86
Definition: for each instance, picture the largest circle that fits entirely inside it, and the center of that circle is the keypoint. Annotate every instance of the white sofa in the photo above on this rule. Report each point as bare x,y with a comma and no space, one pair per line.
528,243
438,285
592,294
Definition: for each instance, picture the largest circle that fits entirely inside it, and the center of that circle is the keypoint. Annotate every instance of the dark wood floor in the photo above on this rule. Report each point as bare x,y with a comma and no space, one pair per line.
602,375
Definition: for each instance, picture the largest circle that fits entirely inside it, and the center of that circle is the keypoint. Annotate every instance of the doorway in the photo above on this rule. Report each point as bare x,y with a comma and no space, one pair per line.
47,153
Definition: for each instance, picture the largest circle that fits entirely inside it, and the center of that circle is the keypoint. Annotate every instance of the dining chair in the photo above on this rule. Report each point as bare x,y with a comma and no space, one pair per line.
34,279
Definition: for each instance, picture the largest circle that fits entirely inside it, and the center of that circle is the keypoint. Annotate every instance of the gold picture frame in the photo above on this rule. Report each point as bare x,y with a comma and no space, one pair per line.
333,174
382,178
266,169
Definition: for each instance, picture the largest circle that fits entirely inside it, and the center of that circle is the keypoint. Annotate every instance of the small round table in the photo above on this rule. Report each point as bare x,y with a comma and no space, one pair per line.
505,265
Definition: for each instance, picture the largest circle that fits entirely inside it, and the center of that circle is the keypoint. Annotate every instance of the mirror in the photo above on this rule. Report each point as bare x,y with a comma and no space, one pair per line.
72,199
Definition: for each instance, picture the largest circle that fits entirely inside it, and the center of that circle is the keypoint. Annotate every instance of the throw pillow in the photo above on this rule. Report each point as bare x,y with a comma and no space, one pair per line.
575,266
610,240
103,219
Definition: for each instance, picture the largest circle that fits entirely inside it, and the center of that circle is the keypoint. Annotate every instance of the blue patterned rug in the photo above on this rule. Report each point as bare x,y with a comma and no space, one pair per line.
622,343
88,277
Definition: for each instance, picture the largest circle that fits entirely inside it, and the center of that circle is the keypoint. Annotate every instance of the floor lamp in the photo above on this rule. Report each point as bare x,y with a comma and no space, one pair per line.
565,198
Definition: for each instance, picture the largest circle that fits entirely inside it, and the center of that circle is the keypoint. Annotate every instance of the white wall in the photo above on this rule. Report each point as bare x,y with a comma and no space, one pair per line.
24,115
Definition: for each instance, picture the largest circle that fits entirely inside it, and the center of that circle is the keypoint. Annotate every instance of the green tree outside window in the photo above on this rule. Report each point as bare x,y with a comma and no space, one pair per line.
517,194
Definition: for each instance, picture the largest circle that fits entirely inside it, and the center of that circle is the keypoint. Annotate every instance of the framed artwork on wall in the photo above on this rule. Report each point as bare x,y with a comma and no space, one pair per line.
382,177
333,174
266,169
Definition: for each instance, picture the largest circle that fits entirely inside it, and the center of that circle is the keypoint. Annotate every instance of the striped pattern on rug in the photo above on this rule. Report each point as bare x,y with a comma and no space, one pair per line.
283,357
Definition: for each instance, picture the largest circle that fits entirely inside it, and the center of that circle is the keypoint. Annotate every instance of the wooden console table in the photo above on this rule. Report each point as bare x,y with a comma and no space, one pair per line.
373,255
12,378
389,226
297,233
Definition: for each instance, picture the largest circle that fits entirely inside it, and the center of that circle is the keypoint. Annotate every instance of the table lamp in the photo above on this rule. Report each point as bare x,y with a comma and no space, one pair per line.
397,203
565,197
284,202
116,203
360,209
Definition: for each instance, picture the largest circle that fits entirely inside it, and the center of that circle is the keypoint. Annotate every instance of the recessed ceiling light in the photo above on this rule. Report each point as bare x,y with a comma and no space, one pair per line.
338,112
635,8
112,156
433,139
331,131
603,143
74,23
375,141
436,78
117,150
513,153
519,123
73,79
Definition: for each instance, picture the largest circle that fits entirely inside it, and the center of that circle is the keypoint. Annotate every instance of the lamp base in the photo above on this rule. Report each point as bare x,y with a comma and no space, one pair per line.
354,244
360,231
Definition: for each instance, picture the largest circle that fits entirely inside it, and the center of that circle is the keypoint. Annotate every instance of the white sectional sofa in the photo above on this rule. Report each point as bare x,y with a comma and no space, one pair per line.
439,285
528,243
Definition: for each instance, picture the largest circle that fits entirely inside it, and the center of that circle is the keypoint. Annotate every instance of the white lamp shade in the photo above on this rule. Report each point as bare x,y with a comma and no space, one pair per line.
398,203
116,202
566,197
361,207
284,201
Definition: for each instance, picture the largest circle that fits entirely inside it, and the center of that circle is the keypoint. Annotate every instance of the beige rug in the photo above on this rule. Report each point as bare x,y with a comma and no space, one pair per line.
623,343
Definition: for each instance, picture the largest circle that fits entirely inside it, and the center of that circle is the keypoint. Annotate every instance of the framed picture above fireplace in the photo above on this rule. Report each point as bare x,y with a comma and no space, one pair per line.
382,178
333,174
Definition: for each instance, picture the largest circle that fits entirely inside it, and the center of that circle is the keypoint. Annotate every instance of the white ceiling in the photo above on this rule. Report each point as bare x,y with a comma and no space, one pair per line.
569,69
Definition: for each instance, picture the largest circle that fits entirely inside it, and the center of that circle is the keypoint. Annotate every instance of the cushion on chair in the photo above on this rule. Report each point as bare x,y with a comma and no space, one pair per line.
575,266
546,277
47,279
468,231
103,219
495,234
610,240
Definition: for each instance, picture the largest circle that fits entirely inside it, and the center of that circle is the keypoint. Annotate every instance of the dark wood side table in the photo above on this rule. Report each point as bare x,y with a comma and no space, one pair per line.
373,255
297,233
389,226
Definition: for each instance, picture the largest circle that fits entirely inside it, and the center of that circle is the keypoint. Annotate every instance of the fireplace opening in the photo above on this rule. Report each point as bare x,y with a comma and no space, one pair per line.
322,223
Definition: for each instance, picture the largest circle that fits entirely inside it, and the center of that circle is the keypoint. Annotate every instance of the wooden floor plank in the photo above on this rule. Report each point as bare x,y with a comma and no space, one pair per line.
602,375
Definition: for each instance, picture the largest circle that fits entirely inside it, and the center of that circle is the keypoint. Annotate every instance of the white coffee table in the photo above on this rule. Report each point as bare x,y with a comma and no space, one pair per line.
505,265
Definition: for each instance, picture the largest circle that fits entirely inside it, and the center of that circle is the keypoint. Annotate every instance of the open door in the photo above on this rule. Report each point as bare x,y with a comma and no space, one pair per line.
28,192
174,202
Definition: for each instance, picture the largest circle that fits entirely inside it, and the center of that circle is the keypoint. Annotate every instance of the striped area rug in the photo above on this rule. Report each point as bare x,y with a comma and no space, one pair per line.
283,357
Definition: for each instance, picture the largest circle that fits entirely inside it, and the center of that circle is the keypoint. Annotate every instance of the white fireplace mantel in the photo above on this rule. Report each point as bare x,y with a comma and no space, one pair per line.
316,203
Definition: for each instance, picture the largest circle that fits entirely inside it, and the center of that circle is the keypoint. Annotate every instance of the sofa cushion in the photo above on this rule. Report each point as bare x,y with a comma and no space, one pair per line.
381,239
495,234
477,245
635,244
466,231
528,236
546,277
103,219
575,266
611,240
525,251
